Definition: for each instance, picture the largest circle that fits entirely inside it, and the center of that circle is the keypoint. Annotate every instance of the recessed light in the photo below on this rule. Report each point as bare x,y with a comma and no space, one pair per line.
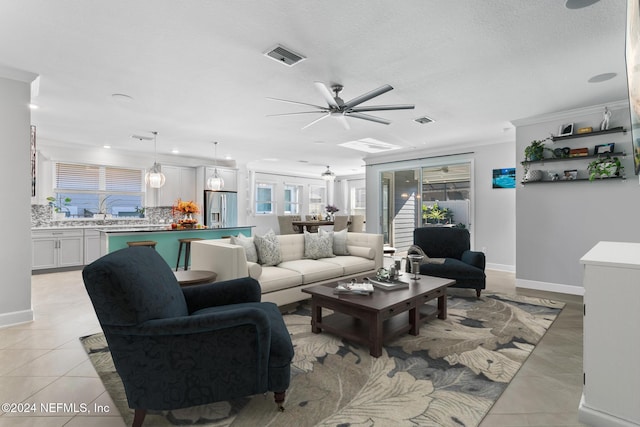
602,77
175,151
579,4
33,106
106,146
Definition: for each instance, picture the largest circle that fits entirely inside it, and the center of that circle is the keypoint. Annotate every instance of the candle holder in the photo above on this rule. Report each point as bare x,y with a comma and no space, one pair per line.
415,264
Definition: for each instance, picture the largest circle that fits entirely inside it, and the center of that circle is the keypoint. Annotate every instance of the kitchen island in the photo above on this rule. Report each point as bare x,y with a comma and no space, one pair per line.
112,239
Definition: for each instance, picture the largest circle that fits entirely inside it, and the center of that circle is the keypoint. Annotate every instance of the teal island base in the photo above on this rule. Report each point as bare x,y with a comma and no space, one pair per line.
167,240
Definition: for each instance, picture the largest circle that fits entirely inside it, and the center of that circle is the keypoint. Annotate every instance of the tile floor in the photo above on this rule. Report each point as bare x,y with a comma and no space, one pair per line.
42,362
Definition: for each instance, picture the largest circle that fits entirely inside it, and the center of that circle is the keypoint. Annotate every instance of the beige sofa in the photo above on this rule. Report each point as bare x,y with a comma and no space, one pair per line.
282,284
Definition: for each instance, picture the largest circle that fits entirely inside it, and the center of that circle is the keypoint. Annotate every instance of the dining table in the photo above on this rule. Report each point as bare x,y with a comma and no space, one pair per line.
310,225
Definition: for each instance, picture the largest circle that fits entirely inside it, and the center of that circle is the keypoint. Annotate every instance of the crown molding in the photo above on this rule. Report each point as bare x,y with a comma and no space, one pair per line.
571,114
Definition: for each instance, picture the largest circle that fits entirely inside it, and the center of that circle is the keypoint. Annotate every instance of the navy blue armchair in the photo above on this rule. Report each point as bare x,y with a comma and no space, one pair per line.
463,265
178,347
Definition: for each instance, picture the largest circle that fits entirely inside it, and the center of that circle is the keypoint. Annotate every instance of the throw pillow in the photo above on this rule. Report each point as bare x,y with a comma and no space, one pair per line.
268,248
318,245
248,245
340,242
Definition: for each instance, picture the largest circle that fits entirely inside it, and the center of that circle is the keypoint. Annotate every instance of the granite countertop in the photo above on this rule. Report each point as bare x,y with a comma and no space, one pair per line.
104,226
163,228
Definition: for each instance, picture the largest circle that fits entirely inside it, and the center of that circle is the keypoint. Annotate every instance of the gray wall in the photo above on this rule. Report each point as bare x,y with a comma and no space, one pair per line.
557,223
493,210
15,174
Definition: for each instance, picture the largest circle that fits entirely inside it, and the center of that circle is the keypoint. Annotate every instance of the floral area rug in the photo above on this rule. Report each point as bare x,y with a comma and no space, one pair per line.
449,375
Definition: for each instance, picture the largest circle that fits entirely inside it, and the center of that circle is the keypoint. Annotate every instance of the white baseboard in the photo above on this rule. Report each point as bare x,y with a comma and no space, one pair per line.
501,267
16,317
594,417
550,287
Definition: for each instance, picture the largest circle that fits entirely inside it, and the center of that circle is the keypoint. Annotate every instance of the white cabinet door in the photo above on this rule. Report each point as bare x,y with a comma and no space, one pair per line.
44,253
91,246
70,251
180,183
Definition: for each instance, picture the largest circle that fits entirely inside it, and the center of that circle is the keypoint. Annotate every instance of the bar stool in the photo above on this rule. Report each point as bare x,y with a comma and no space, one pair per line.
151,243
187,251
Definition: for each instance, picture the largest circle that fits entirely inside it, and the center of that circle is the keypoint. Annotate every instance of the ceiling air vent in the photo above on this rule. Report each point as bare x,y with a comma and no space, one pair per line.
424,120
284,55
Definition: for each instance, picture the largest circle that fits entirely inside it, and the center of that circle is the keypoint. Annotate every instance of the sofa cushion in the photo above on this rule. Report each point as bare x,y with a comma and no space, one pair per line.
318,245
340,242
268,249
291,246
313,270
276,278
248,245
361,251
462,273
351,264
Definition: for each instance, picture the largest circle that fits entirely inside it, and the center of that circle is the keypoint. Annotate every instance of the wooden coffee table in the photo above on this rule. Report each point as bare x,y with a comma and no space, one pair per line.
373,319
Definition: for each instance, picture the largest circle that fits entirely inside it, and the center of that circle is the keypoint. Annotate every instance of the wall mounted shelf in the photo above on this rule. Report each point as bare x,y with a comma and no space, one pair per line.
618,129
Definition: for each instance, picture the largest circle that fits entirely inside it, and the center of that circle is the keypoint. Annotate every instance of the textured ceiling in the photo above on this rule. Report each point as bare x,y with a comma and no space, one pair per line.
196,71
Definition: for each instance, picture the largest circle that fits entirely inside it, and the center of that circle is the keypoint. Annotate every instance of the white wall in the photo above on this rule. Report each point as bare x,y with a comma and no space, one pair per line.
557,223
493,210
15,174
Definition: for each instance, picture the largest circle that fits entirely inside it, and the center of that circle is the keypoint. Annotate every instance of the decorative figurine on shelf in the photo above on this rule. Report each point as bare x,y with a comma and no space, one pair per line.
604,125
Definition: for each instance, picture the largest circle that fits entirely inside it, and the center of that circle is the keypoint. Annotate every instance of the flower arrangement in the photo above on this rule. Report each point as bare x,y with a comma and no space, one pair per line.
331,209
187,209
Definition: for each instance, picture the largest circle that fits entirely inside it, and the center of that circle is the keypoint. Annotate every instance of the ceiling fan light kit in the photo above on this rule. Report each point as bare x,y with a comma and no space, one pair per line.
337,108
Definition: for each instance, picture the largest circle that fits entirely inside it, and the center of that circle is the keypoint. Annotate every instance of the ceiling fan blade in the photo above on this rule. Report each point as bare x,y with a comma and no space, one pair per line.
384,107
342,119
296,102
326,94
294,114
368,117
317,120
367,96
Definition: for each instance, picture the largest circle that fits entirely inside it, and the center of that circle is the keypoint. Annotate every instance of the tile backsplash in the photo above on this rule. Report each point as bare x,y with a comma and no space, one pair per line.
42,216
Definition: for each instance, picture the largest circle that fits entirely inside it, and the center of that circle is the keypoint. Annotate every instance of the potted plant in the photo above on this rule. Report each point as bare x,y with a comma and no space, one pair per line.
604,167
59,206
535,150
434,214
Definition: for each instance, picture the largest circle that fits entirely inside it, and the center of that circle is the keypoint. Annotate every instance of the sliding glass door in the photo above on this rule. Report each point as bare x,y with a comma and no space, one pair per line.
429,196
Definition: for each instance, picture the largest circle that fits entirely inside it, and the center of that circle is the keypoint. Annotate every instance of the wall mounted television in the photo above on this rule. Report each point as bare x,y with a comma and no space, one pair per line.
504,178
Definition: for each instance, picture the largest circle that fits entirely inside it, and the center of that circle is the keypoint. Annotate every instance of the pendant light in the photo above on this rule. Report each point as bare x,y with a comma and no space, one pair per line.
328,175
155,178
215,182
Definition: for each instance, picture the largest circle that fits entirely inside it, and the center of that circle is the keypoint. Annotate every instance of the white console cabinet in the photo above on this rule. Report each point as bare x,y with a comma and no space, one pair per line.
611,392
57,248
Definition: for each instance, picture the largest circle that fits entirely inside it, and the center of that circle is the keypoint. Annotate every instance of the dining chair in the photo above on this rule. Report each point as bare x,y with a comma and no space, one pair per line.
357,223
340,222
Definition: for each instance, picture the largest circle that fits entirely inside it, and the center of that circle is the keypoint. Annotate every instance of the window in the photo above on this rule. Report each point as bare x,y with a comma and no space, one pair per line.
292,199
358,200
316,199
264,198
99,189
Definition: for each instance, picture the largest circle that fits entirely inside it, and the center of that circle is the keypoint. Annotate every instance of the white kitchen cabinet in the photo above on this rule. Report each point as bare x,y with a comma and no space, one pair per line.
611,391
180,182
57,248
229,176
91,245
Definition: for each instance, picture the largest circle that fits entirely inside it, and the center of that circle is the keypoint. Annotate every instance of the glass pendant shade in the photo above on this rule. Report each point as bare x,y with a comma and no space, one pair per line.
154,178
328,175
215,182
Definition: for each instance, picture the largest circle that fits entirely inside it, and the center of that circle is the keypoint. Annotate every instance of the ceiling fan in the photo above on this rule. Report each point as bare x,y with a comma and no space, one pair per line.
339,109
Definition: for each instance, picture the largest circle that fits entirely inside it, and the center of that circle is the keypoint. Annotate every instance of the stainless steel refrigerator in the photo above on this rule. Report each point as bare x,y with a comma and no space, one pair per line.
220,208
